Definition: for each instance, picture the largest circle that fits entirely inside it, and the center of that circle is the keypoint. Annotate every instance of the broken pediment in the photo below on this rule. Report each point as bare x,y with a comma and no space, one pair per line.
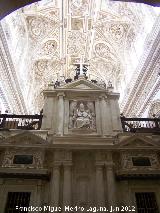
83,84
137,141
24,138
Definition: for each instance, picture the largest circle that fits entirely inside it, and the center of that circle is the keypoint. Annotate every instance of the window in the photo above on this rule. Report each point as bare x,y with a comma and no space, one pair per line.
141,161
20,199
146,202
23,159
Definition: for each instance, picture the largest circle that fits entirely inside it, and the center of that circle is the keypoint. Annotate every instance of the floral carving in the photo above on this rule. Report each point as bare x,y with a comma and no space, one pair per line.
76,43
154,108
79,7
40,26
50,47
117,30
102,50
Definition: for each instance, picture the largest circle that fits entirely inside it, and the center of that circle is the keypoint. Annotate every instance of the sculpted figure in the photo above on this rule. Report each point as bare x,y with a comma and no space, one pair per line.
82,115
82,118
8,159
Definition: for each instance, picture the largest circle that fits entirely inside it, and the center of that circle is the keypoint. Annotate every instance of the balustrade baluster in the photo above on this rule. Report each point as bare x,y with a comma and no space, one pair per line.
156,123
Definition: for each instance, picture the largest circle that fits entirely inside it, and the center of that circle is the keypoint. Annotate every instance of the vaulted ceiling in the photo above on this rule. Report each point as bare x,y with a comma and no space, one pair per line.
42,41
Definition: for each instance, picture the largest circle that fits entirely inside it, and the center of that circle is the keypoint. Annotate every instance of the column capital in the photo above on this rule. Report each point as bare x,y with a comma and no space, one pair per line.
67,164
99,164
56,164
103,97
60,94
109,165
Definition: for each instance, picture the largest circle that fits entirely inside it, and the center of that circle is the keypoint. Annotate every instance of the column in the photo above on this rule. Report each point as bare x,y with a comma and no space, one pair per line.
111,188
67,182
60,113
100,185
54,187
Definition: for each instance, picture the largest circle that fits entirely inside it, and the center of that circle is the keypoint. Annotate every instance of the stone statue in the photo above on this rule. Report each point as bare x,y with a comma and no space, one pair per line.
82,118
82,115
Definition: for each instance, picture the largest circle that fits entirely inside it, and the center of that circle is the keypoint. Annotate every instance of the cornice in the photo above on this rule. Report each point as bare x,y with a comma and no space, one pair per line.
9,78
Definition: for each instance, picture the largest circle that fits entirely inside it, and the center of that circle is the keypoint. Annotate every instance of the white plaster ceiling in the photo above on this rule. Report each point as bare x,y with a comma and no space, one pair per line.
47,37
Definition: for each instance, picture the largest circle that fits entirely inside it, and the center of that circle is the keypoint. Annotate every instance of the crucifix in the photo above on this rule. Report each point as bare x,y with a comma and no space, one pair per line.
81,68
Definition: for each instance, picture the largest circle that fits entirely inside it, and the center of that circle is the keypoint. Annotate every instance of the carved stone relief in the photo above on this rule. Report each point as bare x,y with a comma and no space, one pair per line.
50,47
42,71
40,26
76,43
38,158
127,164
82,115
79,7
154,109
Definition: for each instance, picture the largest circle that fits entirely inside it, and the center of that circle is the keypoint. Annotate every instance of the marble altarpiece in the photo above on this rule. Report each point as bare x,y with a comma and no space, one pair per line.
80,156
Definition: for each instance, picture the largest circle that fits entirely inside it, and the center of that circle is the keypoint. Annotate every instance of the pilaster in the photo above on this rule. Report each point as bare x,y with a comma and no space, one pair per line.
105,115
67,182
115,112
111,184
60,113
55,185
100,184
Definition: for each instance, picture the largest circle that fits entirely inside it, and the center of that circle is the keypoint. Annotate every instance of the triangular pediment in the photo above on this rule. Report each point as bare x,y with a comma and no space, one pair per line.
137,141
24,138
82,84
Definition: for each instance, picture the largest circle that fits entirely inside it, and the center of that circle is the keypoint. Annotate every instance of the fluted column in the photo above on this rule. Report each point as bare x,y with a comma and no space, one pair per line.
111,185
60,113
67,182
54,187
99,185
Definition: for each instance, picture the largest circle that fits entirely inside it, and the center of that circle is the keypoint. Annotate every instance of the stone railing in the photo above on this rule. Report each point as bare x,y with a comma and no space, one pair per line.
25,122
151,125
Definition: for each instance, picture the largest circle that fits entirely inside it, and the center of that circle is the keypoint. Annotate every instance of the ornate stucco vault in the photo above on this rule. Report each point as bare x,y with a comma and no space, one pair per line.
42,42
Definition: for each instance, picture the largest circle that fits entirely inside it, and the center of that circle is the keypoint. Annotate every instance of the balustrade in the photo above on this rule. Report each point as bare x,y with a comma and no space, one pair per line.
140,124
25,122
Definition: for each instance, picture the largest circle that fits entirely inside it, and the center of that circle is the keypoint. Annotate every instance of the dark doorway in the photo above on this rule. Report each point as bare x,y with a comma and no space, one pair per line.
17,202
146,202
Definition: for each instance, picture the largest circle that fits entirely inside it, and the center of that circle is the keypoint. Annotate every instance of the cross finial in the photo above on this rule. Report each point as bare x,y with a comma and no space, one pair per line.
81,67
